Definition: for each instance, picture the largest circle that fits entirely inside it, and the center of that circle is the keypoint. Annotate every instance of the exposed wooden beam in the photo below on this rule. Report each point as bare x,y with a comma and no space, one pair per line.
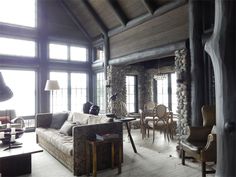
75,20
149,5
95,16
118,11
145,55
139,20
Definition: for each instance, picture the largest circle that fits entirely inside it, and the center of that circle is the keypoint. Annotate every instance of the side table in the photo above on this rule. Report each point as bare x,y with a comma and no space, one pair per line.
94,144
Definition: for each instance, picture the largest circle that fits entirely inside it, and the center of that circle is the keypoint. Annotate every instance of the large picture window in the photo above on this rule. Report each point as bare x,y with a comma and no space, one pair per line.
73,83
22,84
17,47
67,52
18,12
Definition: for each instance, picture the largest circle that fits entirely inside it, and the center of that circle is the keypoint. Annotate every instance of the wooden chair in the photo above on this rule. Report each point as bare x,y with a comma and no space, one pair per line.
146,112
201,142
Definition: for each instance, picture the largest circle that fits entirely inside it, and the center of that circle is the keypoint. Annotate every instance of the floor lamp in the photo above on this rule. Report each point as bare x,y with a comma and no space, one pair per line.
52,85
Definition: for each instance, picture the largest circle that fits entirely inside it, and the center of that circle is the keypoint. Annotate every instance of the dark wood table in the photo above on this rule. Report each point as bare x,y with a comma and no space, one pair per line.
17,161
126,120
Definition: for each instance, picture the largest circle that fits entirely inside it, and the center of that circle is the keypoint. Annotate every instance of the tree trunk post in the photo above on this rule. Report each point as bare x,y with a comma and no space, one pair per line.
222,49
197,62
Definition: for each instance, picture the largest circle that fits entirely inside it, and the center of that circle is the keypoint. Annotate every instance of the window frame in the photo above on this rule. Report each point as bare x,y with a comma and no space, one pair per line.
135,92
24,26
68,45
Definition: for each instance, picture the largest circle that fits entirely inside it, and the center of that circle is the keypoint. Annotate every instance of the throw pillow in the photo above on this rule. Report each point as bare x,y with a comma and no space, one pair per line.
86,107
80,118
5,119
66,128
94,109
58,120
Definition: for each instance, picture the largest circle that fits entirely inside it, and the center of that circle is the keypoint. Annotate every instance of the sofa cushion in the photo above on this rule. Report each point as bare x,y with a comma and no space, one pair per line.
58,120
60,141
66,128
80,118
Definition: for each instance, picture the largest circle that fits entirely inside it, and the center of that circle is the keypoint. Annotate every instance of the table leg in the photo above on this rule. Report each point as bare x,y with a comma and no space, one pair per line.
94,160
130,137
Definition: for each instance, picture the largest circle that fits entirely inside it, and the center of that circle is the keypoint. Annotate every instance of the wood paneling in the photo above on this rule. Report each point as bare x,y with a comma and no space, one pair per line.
168,28
162,2
84,17
132,8
105,12
59,23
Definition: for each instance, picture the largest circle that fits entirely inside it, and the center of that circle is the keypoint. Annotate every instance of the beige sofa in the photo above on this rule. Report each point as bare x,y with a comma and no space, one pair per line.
70,149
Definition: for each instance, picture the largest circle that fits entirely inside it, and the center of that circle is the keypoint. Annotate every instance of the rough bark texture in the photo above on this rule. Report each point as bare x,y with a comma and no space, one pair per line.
197,63
221,47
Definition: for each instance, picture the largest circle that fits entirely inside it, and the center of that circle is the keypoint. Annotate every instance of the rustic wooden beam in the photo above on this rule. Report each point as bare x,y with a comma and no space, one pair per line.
75,20
118,11
159,52
197,61
141,19
95,16
149,5
221,48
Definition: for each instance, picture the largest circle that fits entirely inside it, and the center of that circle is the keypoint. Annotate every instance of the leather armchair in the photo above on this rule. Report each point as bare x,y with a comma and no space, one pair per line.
201,143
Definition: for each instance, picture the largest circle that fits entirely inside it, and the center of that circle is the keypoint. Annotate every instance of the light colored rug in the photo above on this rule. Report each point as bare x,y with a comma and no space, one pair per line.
146,163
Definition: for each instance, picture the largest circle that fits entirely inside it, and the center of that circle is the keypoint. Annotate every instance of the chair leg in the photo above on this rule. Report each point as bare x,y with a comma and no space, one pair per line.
183,157
203,169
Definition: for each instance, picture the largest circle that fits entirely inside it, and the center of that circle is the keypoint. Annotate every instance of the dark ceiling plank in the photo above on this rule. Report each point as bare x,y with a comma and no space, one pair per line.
139,20
149,5
95,16
75,20
118,11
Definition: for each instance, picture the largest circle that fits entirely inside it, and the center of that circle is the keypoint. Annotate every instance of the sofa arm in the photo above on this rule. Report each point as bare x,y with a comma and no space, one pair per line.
84,132
198,133
43,120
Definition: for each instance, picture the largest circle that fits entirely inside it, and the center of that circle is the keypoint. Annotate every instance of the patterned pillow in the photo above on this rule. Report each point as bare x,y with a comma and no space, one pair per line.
66,128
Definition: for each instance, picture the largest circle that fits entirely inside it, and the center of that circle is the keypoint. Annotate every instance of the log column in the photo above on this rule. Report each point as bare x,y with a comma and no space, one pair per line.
197,62
222,49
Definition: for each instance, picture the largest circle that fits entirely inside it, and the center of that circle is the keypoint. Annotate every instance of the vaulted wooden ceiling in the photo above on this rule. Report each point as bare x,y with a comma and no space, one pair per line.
111,16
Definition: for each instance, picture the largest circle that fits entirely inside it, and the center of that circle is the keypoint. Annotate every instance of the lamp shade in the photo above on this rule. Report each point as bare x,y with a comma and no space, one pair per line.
5,91
51,85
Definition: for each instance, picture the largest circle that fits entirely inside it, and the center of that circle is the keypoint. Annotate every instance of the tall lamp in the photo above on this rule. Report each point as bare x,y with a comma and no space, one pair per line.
52,85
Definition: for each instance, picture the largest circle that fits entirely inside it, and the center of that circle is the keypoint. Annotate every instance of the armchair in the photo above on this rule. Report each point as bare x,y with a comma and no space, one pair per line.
201,142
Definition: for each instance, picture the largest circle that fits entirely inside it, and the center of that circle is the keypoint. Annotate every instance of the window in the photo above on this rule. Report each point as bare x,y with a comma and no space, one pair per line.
67,52
62,101
169,99
17,47
78,91
99,53
22,84
162,89
59,98
17,12
173,92
131,93
58,51
100,91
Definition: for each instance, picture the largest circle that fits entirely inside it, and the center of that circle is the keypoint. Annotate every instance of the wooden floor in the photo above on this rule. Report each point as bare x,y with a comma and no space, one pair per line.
158,159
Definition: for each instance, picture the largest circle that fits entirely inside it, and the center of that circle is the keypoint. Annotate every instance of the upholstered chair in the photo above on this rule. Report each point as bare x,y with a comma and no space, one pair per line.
201,142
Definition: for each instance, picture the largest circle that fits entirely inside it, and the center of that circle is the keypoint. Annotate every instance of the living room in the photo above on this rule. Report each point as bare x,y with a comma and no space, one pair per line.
119,56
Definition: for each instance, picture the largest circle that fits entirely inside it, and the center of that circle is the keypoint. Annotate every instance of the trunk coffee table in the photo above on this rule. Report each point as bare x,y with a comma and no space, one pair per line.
17,161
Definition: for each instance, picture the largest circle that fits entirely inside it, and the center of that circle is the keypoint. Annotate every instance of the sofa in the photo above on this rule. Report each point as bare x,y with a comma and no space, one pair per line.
64,136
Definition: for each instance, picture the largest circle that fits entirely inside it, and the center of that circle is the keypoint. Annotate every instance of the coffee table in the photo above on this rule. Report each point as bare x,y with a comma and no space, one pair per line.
15,162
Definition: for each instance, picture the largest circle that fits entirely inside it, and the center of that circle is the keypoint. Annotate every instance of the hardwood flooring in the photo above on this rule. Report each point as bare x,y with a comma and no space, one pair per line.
158,159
